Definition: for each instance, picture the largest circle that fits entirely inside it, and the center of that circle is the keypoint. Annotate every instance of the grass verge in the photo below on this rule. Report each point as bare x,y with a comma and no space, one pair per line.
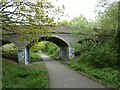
20,76
107,76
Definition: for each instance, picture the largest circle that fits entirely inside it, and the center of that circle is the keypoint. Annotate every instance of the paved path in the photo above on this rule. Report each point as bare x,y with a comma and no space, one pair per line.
62,77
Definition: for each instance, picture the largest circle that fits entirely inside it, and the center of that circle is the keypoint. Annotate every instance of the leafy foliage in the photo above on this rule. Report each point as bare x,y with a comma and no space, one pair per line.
10,51
64,23
27,13
23,17
37,47
47,47
51,49
107,19
84,45
80,25
35,56
12,54
101,56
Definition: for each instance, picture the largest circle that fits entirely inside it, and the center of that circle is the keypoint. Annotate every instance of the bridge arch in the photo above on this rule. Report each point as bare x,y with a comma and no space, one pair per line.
64,52
54,39
62,44
5,42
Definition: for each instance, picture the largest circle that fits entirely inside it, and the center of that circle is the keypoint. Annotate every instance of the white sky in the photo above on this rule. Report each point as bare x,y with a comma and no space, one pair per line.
75,8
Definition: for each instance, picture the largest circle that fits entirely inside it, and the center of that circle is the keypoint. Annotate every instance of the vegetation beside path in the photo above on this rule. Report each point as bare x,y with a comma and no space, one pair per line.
97,61
15,75
21,76
107,76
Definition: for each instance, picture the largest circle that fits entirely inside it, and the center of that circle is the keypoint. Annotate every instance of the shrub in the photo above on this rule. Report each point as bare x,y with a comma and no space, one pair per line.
101,55
35,56
55,53
9,51
50,49
83,46
12,54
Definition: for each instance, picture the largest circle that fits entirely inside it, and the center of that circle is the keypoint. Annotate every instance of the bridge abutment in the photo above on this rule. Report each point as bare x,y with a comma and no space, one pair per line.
71,52
66,53
23,55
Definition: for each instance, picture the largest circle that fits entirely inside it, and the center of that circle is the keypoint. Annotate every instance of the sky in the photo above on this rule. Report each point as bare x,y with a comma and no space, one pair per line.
75,8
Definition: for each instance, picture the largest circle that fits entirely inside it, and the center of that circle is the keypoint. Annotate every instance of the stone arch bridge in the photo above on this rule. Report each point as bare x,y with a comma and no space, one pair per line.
62,36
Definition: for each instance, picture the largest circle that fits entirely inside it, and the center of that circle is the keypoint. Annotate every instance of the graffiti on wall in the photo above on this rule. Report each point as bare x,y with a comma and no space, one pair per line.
21,55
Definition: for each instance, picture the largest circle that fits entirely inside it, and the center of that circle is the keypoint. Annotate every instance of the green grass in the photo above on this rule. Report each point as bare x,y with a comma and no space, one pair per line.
15,75
21,76
107,76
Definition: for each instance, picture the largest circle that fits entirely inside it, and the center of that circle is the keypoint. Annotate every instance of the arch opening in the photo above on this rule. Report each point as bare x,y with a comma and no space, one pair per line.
47,47
58,41
63,46
10,51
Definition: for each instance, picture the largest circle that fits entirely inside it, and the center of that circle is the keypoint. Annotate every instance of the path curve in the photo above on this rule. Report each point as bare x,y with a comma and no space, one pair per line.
62,77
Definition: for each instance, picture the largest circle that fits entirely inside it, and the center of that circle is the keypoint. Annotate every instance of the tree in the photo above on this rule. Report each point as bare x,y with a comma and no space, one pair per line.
82,26
118,36
25,16
107,19
64,23
38,46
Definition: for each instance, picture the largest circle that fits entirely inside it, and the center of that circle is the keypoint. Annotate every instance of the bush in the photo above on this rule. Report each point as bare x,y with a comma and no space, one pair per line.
11,54
9,51
50,49
55,53
35,56
101,56
83,46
